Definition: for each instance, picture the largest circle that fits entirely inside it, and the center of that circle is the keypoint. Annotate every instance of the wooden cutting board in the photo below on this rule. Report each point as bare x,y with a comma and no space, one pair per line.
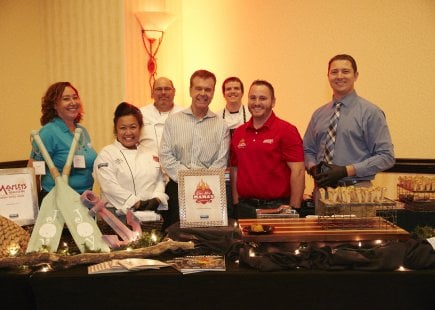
322,230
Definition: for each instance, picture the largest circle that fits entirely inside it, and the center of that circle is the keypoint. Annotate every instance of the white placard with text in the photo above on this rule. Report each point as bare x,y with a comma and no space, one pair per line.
18,195
202,198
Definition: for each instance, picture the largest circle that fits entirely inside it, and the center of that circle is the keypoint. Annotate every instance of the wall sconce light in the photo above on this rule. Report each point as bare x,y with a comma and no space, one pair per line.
153,26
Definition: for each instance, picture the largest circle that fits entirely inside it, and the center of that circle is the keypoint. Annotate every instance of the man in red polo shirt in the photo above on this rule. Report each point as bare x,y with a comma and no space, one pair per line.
267,158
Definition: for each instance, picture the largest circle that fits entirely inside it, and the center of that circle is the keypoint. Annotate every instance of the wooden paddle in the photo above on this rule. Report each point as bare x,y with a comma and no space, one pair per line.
62,205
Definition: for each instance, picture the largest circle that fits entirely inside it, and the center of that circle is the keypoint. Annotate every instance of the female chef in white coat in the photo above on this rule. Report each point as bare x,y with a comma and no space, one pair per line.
129,174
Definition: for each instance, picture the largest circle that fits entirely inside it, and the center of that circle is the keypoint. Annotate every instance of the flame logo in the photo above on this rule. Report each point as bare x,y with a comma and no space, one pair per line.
203,194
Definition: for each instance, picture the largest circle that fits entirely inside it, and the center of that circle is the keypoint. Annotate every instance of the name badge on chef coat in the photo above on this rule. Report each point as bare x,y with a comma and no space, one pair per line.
39,167
79,161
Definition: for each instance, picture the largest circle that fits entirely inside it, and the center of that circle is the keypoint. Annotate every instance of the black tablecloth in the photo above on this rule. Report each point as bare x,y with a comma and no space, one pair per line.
16,291
409,220
238,287
317,278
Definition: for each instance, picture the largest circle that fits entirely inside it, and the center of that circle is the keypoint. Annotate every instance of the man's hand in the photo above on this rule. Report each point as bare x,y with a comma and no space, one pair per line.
316,169
331,176
280,209
149,205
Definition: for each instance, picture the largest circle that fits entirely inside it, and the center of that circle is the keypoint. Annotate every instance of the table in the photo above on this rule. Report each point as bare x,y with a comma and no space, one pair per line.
238,287
16,291
409,220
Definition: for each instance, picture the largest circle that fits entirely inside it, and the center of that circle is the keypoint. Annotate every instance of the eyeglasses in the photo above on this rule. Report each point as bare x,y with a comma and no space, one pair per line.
160,89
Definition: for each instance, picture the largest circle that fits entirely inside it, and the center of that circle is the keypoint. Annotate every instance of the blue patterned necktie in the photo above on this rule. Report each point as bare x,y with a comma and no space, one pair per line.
332,133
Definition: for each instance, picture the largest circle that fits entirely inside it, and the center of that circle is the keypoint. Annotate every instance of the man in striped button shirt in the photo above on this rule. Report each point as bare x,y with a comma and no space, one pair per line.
193,138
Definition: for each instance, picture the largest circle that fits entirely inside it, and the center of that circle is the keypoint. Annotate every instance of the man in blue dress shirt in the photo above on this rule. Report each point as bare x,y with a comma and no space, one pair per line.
363,144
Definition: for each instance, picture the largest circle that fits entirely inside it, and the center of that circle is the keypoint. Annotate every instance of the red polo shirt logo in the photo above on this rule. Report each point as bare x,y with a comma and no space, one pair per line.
242,144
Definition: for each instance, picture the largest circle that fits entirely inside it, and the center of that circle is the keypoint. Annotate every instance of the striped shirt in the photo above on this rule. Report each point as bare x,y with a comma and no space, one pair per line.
188,142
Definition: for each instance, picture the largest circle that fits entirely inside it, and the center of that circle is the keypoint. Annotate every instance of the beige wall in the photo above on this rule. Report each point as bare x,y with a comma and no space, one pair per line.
290,42
96,45
22,78
45,41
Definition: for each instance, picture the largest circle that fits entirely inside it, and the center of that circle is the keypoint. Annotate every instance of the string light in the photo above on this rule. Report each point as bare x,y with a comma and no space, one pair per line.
14,249
136,236
64,249
46,268
401,268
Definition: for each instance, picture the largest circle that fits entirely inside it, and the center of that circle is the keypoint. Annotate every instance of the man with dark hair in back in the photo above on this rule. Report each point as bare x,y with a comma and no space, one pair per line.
235,114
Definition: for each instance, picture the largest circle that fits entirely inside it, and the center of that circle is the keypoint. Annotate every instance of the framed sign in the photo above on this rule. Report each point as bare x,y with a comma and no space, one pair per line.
18,195
202,198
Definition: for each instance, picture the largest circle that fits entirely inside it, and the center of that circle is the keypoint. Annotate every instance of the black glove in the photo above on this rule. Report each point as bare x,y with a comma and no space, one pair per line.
316,169
331,175
149,205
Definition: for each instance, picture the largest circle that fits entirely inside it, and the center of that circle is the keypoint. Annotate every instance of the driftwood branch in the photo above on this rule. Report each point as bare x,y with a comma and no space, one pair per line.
64,261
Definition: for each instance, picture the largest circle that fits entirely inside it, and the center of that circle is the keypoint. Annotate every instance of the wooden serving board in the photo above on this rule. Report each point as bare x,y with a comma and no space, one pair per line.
316,230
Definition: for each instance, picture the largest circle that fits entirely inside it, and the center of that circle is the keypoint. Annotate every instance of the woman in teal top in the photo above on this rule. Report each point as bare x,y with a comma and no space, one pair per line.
62,110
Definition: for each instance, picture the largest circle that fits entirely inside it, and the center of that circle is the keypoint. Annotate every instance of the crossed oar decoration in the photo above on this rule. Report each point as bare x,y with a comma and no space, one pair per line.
62,205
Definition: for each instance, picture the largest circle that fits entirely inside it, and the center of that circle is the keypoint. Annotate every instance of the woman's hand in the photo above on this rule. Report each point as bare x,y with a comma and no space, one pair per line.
149,205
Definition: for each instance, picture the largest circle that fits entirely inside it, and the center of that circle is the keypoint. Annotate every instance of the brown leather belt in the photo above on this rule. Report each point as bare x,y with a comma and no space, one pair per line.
265,203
